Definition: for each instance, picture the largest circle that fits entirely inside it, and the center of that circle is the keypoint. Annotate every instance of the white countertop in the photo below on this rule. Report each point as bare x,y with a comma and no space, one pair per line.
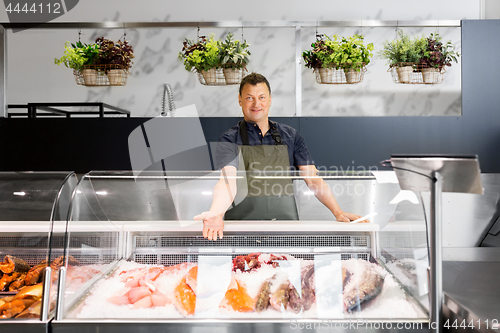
43,227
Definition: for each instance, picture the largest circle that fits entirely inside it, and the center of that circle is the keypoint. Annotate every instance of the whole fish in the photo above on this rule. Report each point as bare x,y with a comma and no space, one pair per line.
294,300
279,299
345,277
285,297
308,292
262,302
362,289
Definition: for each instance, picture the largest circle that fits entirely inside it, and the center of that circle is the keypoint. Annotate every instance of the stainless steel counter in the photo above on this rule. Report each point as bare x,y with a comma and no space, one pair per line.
471,286
476,254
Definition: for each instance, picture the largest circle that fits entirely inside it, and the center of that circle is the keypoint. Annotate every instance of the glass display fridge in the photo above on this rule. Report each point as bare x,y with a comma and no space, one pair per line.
149,266
33,214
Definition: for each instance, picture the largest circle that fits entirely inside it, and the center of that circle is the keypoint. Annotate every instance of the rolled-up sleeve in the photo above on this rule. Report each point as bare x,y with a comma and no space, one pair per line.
226,152
301,154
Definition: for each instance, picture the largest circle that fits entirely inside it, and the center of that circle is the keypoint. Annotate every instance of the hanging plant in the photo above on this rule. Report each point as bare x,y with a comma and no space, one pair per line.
338,60
200,56
234,56
111,53
418,60
403,49
234,53
216,62
435,58
99,64
78,55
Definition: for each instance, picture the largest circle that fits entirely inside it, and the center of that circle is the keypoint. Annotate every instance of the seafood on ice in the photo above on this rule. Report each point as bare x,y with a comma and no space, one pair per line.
140,293
283,295
15,273
26,281
259,284
361,285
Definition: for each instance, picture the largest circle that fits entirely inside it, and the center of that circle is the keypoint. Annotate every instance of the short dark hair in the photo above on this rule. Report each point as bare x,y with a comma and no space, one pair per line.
254,79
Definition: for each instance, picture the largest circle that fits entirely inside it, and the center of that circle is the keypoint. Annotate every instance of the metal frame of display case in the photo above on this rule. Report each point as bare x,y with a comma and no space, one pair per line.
156,232
42,324
130,231
297,25
445,174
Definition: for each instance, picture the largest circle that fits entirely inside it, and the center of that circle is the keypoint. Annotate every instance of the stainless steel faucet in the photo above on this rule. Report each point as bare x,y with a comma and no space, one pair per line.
167,91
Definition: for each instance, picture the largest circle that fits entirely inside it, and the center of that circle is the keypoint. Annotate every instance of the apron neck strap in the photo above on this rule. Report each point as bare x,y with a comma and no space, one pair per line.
244,133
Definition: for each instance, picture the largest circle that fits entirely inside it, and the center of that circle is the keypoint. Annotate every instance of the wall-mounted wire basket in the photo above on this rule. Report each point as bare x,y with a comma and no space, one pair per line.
414,73
101,75
222,76
340,76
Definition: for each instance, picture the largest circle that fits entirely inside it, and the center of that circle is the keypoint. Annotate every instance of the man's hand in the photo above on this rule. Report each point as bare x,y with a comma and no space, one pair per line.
348,217
213,224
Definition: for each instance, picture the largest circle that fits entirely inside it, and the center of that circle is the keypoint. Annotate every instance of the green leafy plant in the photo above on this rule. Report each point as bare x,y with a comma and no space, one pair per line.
437,54
345,53
322,54
202,55
403,49
111,53
78,55
353,53
233,53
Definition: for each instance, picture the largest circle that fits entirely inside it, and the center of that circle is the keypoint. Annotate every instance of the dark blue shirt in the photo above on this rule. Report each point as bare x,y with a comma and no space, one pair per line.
227,148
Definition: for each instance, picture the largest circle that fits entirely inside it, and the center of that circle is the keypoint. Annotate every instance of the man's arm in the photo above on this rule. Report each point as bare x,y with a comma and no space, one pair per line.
223,195
324,194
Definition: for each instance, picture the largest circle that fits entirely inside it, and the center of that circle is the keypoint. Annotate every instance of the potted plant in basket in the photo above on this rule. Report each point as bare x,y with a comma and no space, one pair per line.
353,56
435,57
321,57
202,57
336,58
116,57
404,54
233,57
77,56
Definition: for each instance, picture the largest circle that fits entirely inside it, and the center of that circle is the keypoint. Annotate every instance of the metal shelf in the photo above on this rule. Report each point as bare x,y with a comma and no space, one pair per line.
297,25
233,24
53,111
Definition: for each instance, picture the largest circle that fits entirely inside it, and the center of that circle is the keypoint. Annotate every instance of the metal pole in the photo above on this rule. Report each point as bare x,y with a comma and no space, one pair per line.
436,265
234,24
61,285
47,282
298,72
3,72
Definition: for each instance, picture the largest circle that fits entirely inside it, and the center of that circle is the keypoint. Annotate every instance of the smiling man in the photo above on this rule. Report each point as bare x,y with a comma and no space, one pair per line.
258,145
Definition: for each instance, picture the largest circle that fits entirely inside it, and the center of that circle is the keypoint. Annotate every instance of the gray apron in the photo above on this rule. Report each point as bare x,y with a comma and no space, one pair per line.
263,199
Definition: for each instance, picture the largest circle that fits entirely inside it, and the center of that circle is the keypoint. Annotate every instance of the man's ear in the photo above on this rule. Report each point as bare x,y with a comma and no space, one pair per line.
239,99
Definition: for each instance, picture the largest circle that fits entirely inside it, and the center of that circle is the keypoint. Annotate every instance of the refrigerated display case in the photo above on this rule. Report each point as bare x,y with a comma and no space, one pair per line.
151,268
33,214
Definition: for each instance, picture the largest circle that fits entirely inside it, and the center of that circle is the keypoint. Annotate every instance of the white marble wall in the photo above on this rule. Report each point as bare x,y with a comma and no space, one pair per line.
32,76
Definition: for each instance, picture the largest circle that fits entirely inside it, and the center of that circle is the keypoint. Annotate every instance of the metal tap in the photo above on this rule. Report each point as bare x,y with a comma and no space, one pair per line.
167,90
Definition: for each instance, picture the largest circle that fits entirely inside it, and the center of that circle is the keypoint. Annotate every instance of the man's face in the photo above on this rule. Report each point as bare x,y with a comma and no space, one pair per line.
255,101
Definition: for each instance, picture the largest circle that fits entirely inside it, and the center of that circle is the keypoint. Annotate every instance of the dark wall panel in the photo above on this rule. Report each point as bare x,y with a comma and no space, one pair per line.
84,144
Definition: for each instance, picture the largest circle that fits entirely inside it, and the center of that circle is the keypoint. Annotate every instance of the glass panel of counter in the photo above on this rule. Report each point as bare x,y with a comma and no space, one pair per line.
33,213
149,259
